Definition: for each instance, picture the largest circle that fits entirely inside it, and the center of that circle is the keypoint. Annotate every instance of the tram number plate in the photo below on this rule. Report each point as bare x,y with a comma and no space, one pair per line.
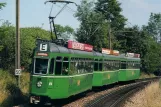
17,71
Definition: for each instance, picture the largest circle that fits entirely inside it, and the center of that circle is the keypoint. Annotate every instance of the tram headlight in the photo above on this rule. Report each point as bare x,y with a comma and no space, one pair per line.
39,84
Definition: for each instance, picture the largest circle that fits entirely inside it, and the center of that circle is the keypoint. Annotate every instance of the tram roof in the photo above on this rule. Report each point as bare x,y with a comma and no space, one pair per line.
52,47
61,49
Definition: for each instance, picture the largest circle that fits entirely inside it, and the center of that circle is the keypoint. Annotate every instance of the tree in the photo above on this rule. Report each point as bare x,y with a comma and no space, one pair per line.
112,11
93,28
154,26
64,32
28,38
130,39
152,59
2,5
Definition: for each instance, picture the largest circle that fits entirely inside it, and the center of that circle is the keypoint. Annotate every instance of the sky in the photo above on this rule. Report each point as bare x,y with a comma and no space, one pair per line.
34,13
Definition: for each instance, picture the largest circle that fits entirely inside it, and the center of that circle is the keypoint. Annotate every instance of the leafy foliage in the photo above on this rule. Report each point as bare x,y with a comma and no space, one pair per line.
28,38
2,5
154,26
92,27
64,32
112,11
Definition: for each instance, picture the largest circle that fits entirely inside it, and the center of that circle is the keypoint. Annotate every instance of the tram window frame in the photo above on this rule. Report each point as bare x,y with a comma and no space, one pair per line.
60,66
52,66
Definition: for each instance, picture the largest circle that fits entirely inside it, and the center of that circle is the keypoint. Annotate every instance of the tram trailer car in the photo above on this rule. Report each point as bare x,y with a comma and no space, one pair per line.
106,69
130,68
60,72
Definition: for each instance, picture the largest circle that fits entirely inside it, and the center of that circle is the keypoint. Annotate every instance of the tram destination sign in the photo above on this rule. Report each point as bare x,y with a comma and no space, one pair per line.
80,46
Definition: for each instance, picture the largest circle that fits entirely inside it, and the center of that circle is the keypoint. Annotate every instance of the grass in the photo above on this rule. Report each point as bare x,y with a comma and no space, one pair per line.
145,75
150,96
9,92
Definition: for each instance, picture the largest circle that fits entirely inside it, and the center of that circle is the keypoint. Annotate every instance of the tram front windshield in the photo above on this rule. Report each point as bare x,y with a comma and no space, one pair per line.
41,66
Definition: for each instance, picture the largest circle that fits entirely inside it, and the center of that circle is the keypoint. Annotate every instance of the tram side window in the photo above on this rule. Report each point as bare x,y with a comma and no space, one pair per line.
85,62
100,65
72,67
58,66
41,66
137,65
128,65
89,65
80,66
131,65
118,65
77,65
110,65
105,65
123,64
51,71
134,65
96,65
65,69
114,65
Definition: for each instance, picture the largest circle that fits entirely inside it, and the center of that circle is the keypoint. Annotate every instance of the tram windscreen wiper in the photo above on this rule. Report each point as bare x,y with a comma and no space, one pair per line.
41,66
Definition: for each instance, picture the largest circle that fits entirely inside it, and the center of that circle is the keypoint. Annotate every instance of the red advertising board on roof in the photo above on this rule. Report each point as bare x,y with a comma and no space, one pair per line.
106,51
133,55
115,52
110,52
80,46
137,55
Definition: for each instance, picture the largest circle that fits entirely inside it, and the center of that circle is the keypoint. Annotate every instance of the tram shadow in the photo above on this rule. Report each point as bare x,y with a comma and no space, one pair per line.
62,102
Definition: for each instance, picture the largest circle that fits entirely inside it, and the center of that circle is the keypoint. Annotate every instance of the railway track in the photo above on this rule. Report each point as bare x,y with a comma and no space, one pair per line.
115,98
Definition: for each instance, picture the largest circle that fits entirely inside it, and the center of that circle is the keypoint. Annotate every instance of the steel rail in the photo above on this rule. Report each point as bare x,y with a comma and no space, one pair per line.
114,98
